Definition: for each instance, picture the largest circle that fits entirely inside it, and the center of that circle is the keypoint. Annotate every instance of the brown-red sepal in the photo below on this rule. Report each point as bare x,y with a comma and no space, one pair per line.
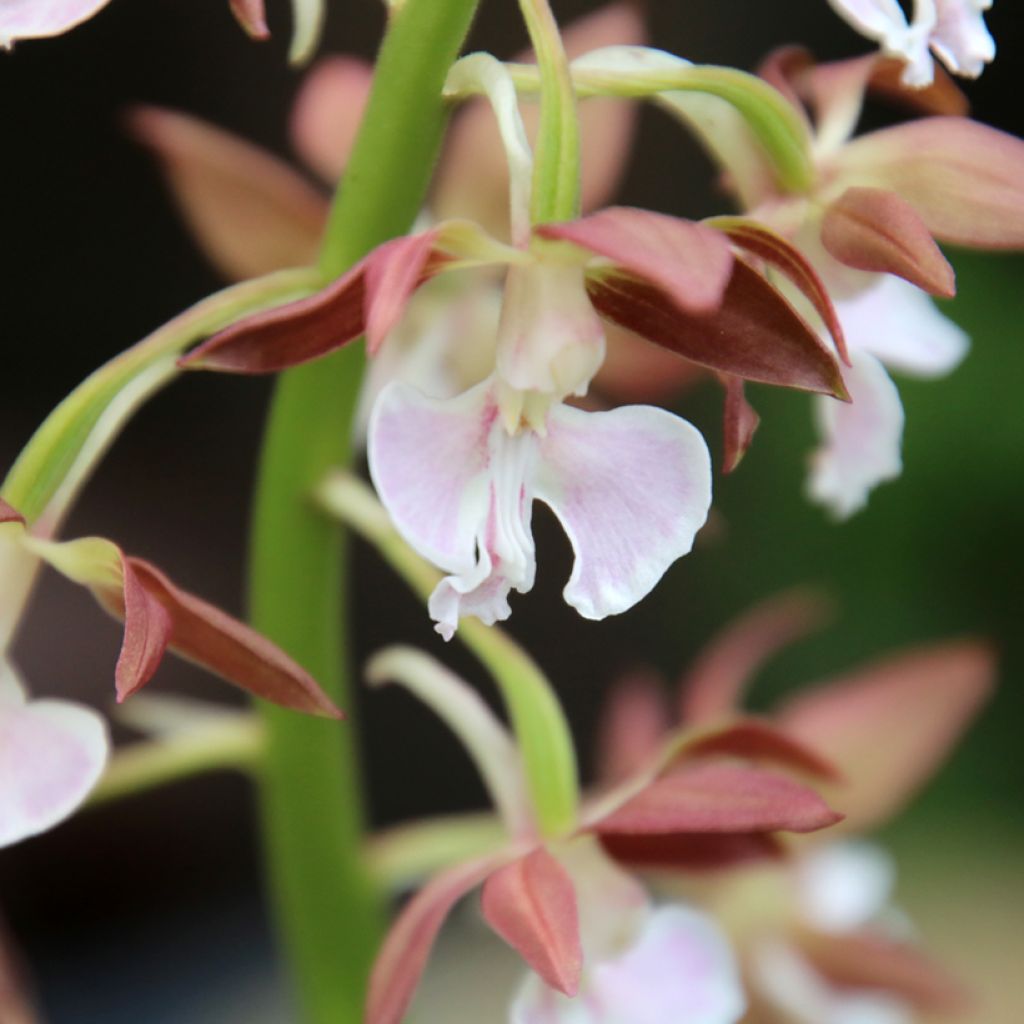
157,615
755,333
779,254
719,797
739,423
691,851
873,229
288,335
531,904
753,740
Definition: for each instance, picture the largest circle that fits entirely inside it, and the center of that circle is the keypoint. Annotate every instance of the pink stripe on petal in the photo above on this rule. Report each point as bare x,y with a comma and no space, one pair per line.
52,753
631,488
690,262
531,904
428,460
861,439
405,952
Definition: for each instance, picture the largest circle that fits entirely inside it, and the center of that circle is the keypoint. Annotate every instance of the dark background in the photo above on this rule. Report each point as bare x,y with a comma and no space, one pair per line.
144,911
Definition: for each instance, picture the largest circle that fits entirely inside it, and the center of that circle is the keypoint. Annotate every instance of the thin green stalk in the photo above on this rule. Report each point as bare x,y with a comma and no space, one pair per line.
328,912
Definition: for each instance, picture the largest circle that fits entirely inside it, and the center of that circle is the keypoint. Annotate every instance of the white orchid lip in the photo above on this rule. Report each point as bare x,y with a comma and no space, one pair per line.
630,487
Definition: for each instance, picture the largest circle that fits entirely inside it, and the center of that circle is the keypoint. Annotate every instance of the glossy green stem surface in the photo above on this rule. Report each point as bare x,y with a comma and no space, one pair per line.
328,913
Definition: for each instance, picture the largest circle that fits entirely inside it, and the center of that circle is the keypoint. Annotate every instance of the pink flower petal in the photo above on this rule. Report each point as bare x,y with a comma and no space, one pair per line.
679,969
35,19
252,16
962,177
889,726
631,488
875,230
715,684
327,112
52,752
249,211
405,952
719,797
898,324
862,439
689,262
531,904
634,724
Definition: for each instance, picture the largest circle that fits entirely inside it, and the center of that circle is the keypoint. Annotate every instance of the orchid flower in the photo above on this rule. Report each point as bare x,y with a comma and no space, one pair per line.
252,214
459,476
836,952
39,19
954,30
586,928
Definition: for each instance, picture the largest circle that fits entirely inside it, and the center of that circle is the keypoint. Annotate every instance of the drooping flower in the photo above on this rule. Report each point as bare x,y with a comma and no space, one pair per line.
866,212
588,931
954,30
832,950
459,476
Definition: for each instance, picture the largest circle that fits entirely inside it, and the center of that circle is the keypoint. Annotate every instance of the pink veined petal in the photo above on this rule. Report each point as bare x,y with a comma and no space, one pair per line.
327,113
37,19
680,969
690,262
960,37
428,460
631,488
531,904
52,752
862,439
900,325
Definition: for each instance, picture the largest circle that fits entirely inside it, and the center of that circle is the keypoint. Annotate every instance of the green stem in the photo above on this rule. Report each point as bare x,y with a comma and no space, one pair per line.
541,730
328,913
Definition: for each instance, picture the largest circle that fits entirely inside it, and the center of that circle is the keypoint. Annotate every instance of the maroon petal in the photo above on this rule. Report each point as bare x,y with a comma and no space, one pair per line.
889,726
753,740
402,958
877,231
764,244
870,961
740,423
714,686
689,262
531,904
719,798
755,334
157,615
963,178
287,335
691,851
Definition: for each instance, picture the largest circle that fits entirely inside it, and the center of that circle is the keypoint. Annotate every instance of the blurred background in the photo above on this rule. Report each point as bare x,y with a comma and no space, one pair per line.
152,910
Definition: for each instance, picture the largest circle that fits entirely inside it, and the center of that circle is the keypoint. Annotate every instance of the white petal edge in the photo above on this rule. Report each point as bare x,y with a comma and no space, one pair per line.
900,325
842,886
631,488
861,439
428,461
52,753
39,19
